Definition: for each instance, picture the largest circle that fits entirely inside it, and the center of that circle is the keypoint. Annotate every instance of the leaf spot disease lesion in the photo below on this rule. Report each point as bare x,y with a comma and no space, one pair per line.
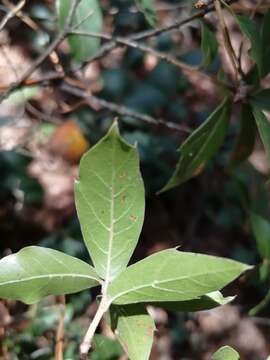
123,175
123,199
133,217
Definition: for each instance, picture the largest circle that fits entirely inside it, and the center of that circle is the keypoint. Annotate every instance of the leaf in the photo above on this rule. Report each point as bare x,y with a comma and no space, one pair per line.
35,272
201,146
147,8
110,202
82,47
265,35
262,99
226,353
105,348
250,29
171,275
261,230
134,328
204,302
246,138
264,129
209,46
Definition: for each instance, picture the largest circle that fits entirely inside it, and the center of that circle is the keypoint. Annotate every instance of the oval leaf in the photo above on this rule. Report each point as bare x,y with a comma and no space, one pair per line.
246,138
264,129
110,203
262,99
250,29
226,353
134,328
147,8
171,275
200,146
261,230
88,15
205,302
35,272
209,46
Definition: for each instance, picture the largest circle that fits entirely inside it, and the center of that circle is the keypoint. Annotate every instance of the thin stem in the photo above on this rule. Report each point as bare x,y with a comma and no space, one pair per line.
122,110
226,38
86,344
256,309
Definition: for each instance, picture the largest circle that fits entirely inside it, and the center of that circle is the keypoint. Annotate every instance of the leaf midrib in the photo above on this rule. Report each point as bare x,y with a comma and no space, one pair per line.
153,284
49,276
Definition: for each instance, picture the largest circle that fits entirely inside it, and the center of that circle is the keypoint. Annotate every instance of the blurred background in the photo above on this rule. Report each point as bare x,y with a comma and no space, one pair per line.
44,132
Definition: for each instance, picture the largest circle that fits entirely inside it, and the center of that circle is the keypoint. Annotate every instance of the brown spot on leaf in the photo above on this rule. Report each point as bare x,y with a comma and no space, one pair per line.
133,217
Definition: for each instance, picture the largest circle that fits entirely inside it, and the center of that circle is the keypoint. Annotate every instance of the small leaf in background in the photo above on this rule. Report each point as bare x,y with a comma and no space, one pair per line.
261,230
265,35
252,32
109,199
209,45
82,47
226,353
246,138
105,348
264,129
147,8
35,272
201,146
262,99
205,302
171,275
69,142
134,328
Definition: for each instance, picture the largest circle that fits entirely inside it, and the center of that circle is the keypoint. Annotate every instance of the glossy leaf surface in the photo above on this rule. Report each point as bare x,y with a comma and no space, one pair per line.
201,146
110,202
134,328
35,272
171,275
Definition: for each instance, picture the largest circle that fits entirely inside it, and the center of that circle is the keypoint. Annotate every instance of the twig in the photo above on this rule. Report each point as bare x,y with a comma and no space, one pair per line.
143,35
59,38
59,347
86,344
134,44
122,110
11,14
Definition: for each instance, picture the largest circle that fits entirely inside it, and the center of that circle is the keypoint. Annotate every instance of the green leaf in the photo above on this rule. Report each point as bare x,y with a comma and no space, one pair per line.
250,29
82,47
201,146
246,138
105,348
110,203
35,272
264,129
262,99
265,35
134,328
147,8
171,275
261,230
226,353
205,302
209,46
